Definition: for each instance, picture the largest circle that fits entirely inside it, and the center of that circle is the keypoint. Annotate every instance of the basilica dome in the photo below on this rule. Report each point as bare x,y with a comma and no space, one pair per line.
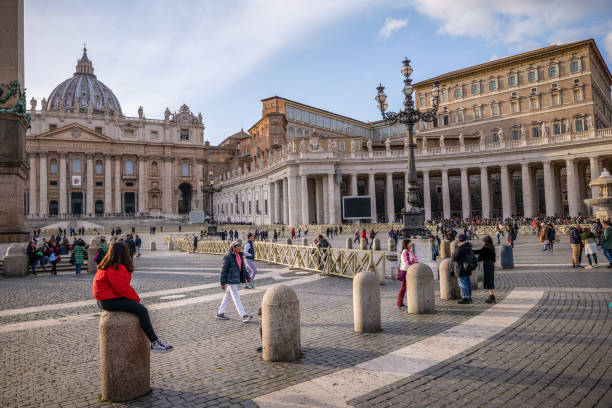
85,91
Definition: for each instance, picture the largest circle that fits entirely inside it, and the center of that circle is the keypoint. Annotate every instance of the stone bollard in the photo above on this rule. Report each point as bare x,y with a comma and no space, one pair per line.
363,244
280,324
449,285
288,241
170,245
376,245
92,250
445,251
125,366
366,303
349,243
15,262
453,246
420,285
391,245
304,241
153,246
474,278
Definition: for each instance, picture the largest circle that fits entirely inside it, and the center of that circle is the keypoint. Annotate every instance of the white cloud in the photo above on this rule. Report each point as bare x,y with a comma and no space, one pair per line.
392,25
608,44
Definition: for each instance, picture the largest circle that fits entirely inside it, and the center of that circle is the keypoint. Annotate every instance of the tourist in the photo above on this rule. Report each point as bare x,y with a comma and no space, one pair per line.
54,256
233,273
292,233
590,246
511,234
131,244
323,245
597,228
195,243
435,247
249,255
355,240
231,235
407,258
78,256
606,242
138,244
275,235
498,232
551,236
486,255
335,230
576,244
372,236
542,237
32,257
113,292
466,263
43,254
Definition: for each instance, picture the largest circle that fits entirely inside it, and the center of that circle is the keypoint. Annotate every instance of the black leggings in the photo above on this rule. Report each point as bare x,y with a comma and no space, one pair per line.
133,307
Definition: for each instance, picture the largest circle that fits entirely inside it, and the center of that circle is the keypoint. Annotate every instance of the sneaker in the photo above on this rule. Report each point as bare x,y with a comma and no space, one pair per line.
470,300
589,267
251,286
221,316
595,266
159,346
259,349
247,286
579,266
246,318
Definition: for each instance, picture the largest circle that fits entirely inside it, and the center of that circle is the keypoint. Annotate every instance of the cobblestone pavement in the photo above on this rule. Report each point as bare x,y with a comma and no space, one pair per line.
563,343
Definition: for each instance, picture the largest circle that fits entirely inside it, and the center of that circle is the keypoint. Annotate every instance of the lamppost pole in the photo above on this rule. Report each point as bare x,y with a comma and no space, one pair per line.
414,216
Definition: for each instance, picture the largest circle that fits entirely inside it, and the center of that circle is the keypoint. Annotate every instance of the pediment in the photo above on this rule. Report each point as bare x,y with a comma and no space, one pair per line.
72,132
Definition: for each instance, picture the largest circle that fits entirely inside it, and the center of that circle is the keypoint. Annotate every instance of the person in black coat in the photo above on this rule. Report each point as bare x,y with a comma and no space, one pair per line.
486,255
463,257
233,273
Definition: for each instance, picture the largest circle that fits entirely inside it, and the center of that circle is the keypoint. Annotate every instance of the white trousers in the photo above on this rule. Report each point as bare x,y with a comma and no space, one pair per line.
231,292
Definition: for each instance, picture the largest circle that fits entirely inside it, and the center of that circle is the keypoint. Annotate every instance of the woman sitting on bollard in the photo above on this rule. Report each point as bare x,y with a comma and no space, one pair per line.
486,255
407,258
112,290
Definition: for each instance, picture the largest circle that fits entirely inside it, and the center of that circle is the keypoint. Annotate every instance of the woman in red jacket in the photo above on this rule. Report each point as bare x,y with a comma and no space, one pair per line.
112,290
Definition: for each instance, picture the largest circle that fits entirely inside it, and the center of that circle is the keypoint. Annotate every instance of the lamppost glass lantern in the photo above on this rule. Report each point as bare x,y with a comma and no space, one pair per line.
413,215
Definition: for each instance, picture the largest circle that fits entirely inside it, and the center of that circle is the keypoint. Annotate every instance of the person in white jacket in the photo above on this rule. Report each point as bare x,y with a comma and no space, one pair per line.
407,258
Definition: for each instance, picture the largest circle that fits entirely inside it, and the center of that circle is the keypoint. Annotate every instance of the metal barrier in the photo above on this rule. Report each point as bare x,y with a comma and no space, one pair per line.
327,261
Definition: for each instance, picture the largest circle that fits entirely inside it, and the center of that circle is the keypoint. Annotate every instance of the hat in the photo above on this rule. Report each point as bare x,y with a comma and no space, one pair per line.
462,238
236,243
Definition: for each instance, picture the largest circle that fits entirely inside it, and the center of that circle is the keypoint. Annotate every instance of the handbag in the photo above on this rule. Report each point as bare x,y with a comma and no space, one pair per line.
52,258
401,275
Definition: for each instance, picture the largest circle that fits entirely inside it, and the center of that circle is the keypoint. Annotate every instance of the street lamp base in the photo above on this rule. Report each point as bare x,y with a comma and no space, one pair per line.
414,224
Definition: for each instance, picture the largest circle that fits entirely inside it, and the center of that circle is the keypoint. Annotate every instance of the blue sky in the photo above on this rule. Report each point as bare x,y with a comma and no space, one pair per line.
222,58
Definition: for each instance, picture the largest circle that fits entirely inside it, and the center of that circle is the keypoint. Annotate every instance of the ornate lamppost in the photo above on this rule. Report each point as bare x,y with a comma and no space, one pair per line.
413,215
209,189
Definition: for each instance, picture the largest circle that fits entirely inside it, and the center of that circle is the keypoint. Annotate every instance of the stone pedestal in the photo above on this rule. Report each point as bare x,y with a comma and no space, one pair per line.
366,303
376,244
170,245
449,285
92,250
445,251
391,245
288,241
304,241
420,289
15,262
153,246
363,244
452,247
474,278
349,243
125,366
280,324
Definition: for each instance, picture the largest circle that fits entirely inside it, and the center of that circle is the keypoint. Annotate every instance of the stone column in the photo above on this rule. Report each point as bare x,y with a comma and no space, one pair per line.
353,190
331,197
389,198
595,172
63,194
445,194
33,202
277,204
118,184
89,195
572,188
549,189
108,192
426,195
484,193
285,201
142,193
305,200
506,193
319,200
372,194
292,201
466,207
326,205
167,191
44,206
528,210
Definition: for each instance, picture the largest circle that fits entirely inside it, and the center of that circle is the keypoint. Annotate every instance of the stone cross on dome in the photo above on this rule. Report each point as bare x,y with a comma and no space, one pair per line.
84,65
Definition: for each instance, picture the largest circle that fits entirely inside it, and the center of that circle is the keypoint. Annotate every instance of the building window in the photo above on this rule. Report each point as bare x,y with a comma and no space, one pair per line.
460,117
445,94
129,168
555,99
98,129
99,183
532,76
577,95
553,71
495,137
185,170
477,112
575,66
535,132
557,128
250,208
494,109
128,132
76,166
516,134
493,85
512,80
184,134
579,125
52,127
458,92
154,135
53,182
421,100
475,89
434,122
342,146
534,103
446,120
53,207
266,206
99,168
53,167
514,106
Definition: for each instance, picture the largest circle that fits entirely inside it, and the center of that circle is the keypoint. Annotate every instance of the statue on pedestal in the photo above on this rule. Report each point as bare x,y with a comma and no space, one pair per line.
33,104
388,144
369,145
523,133
461,140
302,146
89,108
140,113
167,114
406,144
332,146
500,134
44,104
590,123
442,144
544,129
567,125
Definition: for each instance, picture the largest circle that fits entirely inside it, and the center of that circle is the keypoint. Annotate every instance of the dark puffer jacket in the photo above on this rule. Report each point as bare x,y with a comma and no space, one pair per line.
462,256
230,273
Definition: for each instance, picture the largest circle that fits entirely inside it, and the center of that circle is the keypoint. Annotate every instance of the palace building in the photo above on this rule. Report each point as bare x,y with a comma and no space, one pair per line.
520,136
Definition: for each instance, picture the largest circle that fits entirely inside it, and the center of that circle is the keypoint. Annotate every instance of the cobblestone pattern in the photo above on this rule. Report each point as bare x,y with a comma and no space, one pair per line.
559,355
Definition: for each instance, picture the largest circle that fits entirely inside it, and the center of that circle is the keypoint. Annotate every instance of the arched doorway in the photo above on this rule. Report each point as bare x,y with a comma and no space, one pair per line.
99,208
53,209
129,203
184,202
76,203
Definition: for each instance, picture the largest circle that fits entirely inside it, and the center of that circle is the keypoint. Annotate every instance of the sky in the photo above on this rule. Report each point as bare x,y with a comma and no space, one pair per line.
222,57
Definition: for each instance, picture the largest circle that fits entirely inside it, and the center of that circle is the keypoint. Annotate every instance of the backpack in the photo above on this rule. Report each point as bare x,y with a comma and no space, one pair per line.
472,262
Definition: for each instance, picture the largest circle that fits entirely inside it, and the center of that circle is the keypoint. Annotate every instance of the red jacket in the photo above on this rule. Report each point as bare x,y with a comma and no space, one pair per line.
112,283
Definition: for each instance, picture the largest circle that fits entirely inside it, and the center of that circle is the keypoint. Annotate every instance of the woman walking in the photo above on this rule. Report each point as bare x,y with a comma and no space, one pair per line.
590,246
78,253
54,256
407,258
112,290
486,255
